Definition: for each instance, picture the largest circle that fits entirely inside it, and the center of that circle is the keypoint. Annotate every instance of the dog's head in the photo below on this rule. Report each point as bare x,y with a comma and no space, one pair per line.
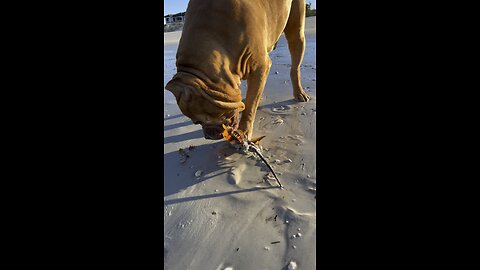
210,111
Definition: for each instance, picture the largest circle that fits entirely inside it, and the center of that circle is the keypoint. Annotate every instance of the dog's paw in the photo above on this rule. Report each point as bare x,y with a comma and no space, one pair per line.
248,134
246,128
302,97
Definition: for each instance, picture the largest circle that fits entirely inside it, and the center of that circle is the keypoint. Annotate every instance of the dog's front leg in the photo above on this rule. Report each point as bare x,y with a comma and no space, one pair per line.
255,84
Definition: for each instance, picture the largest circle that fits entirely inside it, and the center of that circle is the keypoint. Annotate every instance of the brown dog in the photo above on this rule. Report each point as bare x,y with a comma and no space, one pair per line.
224,42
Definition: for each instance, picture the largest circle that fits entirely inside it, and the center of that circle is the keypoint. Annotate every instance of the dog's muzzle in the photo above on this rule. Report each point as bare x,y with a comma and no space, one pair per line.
213,132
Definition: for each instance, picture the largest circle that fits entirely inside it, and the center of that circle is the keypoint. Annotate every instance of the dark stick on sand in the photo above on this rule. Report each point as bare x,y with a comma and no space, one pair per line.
268,165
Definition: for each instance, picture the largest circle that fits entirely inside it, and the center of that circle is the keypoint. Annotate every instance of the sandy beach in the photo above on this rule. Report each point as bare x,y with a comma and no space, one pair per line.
222,208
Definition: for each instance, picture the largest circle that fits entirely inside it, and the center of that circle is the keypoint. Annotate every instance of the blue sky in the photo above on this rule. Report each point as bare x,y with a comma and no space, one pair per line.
176,6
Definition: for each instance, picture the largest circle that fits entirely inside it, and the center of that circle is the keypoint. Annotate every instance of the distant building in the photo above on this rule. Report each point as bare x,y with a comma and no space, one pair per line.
310,12
178,18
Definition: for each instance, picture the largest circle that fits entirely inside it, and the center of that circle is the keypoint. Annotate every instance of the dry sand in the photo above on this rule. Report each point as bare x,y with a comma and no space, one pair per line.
230,216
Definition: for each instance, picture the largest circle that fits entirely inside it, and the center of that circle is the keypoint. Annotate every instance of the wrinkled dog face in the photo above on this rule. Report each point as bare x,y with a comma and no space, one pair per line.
202,111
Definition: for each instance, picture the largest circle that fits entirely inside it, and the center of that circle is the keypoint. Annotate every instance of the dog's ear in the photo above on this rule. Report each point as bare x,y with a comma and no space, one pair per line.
174,87
179,90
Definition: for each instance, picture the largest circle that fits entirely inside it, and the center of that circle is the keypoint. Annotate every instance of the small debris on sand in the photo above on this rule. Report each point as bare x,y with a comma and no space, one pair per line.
269,176
266,248
276,72
288,161
278,121
183,155
292,265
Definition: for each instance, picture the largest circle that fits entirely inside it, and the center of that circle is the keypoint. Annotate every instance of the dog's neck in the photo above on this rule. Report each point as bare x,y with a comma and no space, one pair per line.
223,86
212,66
223,81
220,94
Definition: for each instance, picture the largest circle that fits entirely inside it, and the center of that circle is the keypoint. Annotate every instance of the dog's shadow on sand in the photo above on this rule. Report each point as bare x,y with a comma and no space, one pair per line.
195,134
184,137
204,157
177,125
210,159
